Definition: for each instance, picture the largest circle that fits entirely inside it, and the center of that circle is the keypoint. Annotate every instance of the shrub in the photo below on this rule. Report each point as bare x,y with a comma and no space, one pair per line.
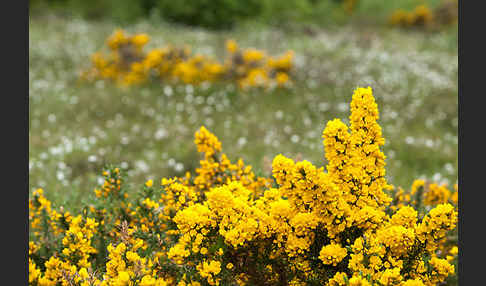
320,12
422,16
127,64
223,225
209,13
118,10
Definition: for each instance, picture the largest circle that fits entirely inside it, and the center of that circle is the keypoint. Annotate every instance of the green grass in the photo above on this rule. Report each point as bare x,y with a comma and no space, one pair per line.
76,128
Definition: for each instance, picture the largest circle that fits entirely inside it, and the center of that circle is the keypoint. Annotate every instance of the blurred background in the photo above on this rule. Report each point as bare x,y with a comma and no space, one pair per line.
226,14
406,50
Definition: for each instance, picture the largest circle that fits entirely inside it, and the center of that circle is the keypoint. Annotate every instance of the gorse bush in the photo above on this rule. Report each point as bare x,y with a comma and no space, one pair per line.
128,64
342,224
422,16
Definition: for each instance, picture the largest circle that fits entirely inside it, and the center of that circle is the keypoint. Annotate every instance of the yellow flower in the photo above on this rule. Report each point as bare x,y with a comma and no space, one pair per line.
83,273
231,46
252,55
149,183
332,254
220,251
123,276
206,142
140,40
282,78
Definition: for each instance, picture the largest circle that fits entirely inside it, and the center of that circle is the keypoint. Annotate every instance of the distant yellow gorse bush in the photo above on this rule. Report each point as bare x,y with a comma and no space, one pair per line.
341,224
423,16
128,64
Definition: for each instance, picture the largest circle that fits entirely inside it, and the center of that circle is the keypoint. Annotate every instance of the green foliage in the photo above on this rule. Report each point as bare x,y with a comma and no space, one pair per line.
118,10
223,14
90,9
209,13
320,12
206,13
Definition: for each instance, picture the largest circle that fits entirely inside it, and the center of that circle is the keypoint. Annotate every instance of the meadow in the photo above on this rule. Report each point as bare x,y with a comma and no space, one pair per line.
76,128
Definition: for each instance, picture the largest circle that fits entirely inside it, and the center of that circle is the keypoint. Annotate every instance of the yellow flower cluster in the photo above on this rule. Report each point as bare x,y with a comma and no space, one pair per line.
126,267
111,184
340,224
425,195
127,64
209,270
77,240
436,195
206,142
420,16
423,16
332,254
75,256
253,67
44,218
